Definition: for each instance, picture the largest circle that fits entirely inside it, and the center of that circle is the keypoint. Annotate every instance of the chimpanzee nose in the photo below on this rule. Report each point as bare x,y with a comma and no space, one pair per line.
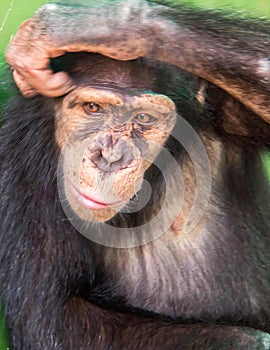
110,156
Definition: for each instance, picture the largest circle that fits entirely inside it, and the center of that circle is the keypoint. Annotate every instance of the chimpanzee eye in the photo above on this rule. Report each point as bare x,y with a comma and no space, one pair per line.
91,107
144,118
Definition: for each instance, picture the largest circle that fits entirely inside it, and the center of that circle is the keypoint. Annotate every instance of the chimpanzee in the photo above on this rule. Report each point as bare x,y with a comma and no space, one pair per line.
134,203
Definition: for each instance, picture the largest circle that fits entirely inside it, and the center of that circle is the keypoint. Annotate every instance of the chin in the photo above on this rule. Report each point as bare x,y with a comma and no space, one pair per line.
91,207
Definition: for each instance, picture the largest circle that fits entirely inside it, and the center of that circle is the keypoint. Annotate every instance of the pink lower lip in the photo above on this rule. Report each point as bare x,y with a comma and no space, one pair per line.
90,202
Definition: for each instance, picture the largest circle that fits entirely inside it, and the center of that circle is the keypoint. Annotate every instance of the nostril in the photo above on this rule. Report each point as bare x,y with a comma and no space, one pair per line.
111,158
112,154
96,157
105,166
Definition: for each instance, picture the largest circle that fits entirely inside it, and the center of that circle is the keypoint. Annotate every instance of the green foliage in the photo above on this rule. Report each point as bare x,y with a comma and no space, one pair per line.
257,8
3,334
266,159
12,14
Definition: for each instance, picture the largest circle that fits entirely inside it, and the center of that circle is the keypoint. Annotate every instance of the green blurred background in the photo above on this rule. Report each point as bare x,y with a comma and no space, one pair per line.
14,12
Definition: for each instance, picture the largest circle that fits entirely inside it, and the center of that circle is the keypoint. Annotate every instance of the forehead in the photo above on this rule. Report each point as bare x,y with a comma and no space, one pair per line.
88,69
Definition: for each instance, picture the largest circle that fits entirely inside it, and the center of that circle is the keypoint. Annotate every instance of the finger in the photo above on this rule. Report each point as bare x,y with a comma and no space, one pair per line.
43,82
29,55
24,87
50,84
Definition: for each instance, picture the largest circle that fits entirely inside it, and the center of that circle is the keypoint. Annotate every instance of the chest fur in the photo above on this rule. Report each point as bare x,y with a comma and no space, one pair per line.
179,276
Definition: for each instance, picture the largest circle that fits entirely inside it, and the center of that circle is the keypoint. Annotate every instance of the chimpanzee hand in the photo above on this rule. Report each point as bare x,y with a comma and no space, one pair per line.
116,29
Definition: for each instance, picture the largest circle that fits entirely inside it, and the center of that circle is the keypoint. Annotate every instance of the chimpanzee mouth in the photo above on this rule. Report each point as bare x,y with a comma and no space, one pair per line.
92,203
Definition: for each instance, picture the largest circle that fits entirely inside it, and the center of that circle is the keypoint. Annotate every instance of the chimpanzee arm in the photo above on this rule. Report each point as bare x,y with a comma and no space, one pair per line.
51,318
55,321
231,53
